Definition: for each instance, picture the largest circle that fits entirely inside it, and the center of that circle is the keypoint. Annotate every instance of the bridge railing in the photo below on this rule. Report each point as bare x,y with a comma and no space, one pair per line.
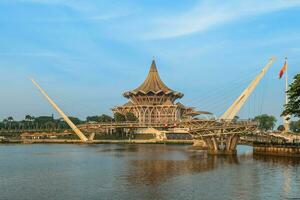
174,124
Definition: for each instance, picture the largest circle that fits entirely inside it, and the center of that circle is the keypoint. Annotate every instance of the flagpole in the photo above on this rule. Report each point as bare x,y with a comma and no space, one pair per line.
286,81
286,121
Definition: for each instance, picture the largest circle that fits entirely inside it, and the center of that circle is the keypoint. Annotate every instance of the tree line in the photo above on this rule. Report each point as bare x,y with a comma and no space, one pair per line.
266,122
49,122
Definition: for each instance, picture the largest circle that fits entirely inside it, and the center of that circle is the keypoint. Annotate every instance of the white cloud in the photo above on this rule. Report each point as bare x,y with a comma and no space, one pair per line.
88,10
204,16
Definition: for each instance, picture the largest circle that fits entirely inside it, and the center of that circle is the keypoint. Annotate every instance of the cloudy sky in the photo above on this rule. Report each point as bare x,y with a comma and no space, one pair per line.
86,53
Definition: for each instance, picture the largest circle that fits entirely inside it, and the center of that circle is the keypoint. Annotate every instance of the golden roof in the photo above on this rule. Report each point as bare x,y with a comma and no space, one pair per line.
153,84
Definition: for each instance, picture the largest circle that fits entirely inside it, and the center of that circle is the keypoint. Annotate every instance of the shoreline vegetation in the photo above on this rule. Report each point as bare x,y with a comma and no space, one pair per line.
12,129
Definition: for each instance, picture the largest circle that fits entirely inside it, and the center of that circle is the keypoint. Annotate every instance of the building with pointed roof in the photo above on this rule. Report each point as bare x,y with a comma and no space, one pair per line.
153,102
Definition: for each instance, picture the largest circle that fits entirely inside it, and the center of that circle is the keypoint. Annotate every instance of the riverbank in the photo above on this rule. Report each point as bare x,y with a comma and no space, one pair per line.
291,150
63,141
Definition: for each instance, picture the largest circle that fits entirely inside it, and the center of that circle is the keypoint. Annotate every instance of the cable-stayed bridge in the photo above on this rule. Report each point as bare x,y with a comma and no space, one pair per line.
220,135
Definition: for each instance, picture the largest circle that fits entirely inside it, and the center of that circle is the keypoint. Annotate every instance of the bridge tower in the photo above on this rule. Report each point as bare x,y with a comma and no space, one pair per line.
76,130
223,140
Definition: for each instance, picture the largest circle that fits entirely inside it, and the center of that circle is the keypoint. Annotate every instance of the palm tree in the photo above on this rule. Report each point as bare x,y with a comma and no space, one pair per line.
29,121
5,122
10,121
27,118
32,121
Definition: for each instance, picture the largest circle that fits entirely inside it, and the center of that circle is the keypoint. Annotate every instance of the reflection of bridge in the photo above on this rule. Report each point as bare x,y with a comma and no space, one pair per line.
220,135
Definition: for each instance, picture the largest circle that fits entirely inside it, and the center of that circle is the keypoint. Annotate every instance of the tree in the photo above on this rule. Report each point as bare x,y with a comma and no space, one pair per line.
236,118
102,118
293,105
266,122
105,118
5,122
28,120
61,124
131,117
75,120
41,121
10,121
280,128
1,125
92,118
118,117
295,126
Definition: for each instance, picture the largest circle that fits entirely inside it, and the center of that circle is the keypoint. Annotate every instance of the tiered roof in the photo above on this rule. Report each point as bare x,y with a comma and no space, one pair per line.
153,84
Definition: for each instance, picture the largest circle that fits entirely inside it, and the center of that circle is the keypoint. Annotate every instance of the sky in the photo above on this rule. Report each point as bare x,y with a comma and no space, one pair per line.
86,53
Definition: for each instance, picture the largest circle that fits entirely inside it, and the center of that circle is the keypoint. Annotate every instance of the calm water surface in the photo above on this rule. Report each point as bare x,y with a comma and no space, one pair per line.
44,171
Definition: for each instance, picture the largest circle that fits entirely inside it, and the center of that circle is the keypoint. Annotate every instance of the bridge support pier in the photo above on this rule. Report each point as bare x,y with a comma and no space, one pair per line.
222,144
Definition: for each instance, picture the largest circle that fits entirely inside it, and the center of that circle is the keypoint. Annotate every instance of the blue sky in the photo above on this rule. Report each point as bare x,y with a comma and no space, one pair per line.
85,54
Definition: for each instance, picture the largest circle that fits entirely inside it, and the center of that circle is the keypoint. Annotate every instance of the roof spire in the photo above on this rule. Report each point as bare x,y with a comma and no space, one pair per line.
153,66
153,84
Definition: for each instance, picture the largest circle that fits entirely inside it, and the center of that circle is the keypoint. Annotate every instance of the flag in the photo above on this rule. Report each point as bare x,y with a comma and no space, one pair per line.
283,69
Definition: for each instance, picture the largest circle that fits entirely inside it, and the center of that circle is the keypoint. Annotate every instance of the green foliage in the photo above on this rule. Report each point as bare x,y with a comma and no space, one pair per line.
266,122
61,124
293,106
280,128
2,125
43,119
29,118
101,118
105,118
49,123
295,126
119,117
131,117
92,118
75,120
236,118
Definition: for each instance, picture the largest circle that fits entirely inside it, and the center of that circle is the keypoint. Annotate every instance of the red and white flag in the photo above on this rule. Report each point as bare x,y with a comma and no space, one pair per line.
283,69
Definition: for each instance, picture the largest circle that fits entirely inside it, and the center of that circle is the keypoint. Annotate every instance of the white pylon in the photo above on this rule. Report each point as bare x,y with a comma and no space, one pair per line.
62,114
232,111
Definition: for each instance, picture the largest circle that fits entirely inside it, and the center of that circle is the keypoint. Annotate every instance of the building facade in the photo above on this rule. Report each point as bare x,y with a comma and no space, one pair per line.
155,103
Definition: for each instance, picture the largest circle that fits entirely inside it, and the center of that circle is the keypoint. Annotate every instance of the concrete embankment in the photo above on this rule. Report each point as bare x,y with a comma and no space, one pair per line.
291,150
62,141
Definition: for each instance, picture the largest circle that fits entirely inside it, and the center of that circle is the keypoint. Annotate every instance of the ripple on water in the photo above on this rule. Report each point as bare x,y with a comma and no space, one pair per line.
142,172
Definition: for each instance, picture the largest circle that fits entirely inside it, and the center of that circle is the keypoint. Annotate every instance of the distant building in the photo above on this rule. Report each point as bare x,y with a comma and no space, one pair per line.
153,102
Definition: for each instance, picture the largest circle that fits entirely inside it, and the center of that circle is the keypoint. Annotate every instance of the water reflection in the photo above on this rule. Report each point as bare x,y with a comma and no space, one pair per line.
142,172
286,171
157,171
282,160
120,148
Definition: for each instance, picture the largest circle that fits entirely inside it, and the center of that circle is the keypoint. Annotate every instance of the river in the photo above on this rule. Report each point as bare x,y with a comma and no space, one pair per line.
142,172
